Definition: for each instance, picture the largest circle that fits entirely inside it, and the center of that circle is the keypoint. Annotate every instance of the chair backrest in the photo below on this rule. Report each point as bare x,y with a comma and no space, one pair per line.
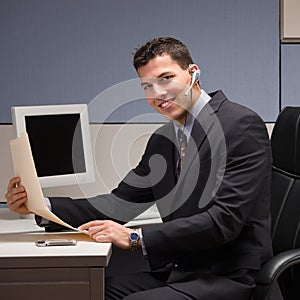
285,207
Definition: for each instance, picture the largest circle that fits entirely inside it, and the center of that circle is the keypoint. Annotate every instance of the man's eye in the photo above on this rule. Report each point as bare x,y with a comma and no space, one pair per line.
146,87
166,79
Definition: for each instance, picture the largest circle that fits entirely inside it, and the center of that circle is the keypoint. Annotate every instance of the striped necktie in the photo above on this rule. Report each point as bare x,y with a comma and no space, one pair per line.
182,142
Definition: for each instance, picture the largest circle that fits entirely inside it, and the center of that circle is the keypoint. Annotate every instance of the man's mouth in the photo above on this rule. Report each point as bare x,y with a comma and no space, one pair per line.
166,104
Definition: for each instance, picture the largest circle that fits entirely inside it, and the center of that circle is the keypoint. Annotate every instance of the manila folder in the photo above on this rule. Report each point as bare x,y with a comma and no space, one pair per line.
25,169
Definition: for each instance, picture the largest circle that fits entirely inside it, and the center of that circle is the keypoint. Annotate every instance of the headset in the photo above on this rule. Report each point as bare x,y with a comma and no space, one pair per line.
195,76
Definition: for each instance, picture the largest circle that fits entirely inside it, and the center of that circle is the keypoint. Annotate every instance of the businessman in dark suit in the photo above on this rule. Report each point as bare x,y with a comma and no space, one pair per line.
212,189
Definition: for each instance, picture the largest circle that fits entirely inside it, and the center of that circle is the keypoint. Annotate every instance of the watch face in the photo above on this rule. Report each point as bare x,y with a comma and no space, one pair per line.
134,236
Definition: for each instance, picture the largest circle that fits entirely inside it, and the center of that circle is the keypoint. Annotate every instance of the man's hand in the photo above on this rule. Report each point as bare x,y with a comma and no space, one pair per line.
16,196
109,232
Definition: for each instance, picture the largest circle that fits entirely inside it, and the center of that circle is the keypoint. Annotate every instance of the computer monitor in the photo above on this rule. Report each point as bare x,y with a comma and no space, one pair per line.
59,137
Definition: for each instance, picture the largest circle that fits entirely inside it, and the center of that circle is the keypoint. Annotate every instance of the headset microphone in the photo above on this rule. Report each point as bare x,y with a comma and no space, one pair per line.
195,76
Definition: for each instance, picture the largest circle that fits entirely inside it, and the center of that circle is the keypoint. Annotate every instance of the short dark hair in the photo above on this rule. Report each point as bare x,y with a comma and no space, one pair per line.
160,46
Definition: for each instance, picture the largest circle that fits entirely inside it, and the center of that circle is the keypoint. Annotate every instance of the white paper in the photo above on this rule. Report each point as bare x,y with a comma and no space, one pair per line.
24,168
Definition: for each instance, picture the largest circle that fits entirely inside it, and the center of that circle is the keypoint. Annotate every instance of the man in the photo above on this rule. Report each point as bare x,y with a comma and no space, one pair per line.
212,189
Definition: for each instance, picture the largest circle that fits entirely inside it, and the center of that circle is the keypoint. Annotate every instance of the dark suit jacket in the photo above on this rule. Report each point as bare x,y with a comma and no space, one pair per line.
216,218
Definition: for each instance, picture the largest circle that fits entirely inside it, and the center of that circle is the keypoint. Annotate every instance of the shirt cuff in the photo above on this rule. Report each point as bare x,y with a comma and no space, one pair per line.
142,242
47,201
40,220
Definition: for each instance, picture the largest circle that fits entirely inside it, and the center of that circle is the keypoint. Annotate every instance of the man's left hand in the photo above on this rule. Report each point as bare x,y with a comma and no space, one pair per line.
107,231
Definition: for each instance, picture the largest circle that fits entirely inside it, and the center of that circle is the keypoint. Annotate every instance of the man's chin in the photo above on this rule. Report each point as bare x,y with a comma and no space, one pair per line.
175,119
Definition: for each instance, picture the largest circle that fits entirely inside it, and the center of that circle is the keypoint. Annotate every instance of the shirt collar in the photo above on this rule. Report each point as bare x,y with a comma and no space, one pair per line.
189,122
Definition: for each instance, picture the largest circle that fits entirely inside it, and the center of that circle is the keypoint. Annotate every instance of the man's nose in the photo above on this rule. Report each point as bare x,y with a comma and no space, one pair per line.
159,92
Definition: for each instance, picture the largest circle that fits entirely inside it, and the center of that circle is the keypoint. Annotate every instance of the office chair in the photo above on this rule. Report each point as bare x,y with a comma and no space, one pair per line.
285,210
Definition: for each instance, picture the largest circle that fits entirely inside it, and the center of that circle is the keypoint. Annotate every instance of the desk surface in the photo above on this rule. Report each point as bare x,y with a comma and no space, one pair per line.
18,237
56,272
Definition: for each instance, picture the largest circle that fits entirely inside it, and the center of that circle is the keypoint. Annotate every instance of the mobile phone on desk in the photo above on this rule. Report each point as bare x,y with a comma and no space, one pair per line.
56,242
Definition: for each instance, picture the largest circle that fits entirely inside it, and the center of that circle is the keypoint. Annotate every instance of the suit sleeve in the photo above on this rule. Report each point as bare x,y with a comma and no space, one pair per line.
132,196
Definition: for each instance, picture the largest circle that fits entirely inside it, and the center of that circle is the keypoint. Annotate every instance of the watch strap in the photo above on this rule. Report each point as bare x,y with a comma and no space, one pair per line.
134,239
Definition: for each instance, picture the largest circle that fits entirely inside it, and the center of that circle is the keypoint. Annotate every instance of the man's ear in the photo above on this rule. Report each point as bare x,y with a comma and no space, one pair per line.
192,68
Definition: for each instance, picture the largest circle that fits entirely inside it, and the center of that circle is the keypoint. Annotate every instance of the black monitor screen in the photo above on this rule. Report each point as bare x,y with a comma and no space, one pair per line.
56,144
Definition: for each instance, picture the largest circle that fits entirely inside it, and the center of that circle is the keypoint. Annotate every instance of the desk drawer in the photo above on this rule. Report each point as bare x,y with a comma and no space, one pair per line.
52,283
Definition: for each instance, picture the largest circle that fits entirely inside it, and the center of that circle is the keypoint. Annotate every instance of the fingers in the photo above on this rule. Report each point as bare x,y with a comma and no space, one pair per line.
16,196
100,231
96,230
90,224
17,206
15,181
15,193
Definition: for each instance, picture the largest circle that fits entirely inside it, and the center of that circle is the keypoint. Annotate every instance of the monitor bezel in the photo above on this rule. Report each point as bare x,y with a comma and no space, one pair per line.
19,114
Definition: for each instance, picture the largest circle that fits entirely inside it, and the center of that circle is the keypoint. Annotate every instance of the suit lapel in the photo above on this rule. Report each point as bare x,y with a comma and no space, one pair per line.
202,125
168,149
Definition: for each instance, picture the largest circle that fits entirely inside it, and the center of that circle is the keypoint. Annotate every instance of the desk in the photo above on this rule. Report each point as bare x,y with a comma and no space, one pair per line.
44,273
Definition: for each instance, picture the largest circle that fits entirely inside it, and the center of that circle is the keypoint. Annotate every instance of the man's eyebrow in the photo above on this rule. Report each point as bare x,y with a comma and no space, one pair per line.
164,74
159,76
144,83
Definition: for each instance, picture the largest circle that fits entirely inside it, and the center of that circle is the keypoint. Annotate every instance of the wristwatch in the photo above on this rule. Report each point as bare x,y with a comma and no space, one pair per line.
134,238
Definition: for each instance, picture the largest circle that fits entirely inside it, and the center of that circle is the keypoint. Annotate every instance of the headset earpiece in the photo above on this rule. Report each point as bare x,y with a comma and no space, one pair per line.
195,77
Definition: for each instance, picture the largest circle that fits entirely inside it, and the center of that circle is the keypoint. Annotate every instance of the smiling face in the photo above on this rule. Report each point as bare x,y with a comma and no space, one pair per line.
165,83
